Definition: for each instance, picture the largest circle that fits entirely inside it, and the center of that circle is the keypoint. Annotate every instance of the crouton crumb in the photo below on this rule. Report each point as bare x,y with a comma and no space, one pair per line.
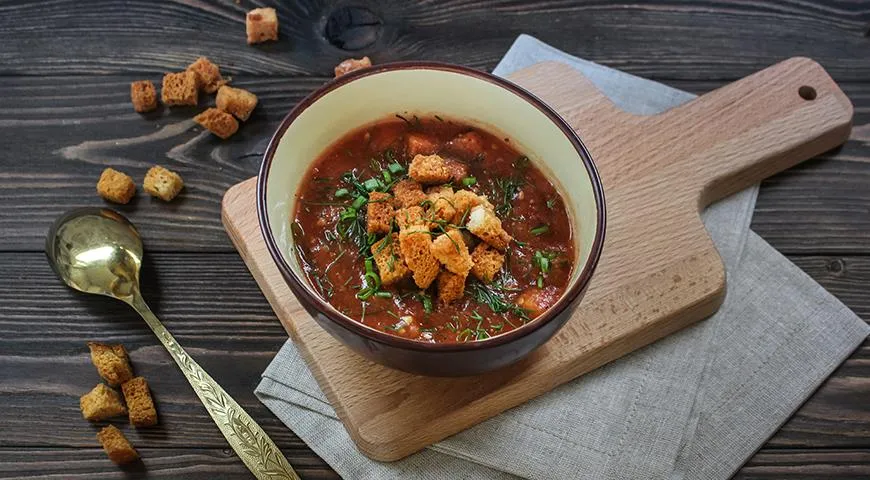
101,403
179,89
352,64
116,445
451,287
143,95
115,186
261,25
450,250
379,213
388,258
486,261
218,122
429,169
483,223
139,403
415,243
162,183
208,75
237,101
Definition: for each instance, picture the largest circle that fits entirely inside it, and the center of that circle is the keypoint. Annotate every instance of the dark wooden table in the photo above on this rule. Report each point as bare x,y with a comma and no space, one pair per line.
65,68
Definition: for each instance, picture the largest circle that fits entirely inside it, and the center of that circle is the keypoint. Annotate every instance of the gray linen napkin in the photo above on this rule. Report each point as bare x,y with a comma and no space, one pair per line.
696,404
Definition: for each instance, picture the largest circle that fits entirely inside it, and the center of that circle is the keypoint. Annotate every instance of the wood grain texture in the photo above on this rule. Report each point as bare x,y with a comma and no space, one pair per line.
655,171
659,39
807,465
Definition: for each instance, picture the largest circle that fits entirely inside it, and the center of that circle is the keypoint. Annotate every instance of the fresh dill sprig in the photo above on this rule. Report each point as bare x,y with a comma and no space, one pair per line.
494,298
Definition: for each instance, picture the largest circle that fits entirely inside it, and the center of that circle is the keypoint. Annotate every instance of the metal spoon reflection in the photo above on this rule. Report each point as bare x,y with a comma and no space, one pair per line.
97,250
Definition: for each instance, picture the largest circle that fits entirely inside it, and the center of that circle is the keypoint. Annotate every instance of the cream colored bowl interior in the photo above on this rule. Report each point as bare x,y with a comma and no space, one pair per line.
427,91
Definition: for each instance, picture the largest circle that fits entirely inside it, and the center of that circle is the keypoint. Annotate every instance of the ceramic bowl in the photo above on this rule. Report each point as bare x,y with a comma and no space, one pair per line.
423,88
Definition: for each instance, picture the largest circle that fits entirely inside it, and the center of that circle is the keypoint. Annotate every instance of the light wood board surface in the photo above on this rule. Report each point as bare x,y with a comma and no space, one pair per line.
659,271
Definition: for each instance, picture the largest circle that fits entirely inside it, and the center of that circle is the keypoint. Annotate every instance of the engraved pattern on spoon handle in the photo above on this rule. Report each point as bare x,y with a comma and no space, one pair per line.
249,441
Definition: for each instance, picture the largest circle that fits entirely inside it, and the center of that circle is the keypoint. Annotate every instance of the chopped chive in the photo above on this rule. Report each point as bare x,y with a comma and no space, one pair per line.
358,202
342,192
383,294
395,168
476,316
371,184
403,119
540,230
439,118
540,281
551,203
387,177
469,181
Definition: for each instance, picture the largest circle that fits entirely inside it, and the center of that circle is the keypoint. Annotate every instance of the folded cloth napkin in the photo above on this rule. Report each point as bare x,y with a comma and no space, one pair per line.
696,404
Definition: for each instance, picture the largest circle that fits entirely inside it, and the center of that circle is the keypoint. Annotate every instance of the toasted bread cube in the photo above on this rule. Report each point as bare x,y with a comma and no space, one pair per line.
451,287
388,257
139,402
463,202
408,193
261,25
162,183
416,243
112,363
420,144
467,145
179,88
208,75
116,445
456,169
429,170
237,101
483,223
379,213
115,186
352,64
410,217
450,249
143,95
218,122
440,205
101,403
487,262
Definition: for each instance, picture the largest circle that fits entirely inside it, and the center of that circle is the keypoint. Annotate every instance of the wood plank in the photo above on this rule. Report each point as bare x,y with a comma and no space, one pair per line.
213,306
53,168
798,464
658,39
170,463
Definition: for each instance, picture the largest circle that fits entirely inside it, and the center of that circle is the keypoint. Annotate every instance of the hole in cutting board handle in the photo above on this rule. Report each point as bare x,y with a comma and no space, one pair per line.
807,93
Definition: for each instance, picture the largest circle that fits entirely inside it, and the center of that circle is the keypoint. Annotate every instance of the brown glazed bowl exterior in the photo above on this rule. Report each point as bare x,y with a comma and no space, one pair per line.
435,359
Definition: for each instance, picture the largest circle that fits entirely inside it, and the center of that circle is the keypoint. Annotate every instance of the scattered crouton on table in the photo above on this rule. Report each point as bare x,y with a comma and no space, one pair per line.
207,74
261,25
236,101
352,64
115,186
139,403
218,122
179,89
143,95
117,446
112,362
162,183
101,403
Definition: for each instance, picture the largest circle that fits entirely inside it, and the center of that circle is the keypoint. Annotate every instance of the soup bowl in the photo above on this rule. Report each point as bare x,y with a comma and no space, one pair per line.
462,94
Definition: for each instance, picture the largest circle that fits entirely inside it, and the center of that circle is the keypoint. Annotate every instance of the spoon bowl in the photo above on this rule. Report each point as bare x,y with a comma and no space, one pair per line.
97,250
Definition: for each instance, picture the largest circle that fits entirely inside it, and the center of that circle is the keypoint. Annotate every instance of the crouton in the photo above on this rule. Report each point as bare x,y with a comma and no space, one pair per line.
486,261
179,88
441,204
467,145
379,213
261,25
450,249
143,95
115,186
101,403
415,243
456,169
419,144
429,170
162,183
352,64
237,101
139,403
208,75
112,363
483,223
463,202
408,193
218,122
388,258
117,446
451,287
410,217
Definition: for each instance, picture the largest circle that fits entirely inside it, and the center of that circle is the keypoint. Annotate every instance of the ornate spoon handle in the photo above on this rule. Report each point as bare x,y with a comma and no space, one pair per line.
249,441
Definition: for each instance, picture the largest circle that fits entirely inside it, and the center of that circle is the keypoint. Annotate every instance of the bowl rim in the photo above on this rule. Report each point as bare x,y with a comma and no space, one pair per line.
298,285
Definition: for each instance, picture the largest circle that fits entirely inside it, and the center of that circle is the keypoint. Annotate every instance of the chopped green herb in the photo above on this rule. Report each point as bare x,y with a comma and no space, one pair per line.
540,230
439,118
372,184
508,190
387,176
551,203
342,192
403,119
543,260
453,324
476,316
426,300
395,168
358,202
493,298
383,294
469,181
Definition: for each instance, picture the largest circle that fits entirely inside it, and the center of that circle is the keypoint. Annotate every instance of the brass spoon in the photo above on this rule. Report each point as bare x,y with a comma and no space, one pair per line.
96,250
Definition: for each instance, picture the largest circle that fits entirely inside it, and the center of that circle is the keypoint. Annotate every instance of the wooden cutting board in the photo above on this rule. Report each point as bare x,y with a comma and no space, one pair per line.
659,271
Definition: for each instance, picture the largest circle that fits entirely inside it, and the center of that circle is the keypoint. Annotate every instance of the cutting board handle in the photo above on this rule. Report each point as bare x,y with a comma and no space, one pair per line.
753,128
